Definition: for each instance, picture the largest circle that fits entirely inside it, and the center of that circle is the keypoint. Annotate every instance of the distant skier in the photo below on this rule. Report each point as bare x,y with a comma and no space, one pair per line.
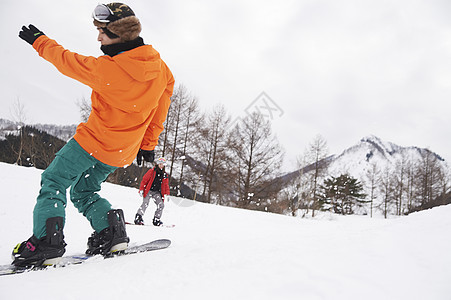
131,90
155,185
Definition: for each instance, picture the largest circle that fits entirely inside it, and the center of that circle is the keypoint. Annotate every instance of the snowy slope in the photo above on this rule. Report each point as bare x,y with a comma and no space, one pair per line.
227,253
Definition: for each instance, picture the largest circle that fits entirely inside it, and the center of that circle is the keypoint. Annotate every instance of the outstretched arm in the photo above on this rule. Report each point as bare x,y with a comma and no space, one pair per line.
76,66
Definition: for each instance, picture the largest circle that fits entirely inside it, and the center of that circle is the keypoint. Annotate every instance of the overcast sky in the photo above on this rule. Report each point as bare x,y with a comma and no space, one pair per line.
341,69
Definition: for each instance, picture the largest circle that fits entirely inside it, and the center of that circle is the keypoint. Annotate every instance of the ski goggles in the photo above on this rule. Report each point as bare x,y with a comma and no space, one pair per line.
161,160
104,14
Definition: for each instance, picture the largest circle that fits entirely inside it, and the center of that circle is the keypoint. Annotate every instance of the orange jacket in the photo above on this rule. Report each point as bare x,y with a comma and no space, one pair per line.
130,99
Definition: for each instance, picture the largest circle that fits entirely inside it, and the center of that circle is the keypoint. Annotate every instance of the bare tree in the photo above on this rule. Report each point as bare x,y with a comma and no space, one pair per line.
191,119
164,137
400,178
316,155
300,199
19,115
84,107
180,133
258,156
212,147
411,184
445,180
178,102
372,181
429,173
387,190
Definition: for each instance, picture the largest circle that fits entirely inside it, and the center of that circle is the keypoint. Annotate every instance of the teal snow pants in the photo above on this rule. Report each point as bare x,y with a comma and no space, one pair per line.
72,167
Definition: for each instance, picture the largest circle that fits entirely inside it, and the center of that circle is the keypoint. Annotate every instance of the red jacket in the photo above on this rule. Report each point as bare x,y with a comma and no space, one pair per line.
146,183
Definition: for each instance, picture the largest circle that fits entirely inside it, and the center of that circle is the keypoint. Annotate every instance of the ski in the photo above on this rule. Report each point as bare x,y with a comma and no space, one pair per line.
163,225
81,258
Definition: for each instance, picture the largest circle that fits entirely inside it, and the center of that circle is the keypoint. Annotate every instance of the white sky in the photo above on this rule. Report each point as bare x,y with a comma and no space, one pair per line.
341,69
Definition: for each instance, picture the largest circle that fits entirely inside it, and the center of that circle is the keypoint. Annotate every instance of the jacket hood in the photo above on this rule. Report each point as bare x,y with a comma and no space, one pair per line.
142,63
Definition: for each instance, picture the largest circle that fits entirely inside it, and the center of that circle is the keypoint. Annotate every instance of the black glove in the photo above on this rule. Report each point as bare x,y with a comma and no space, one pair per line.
30,34
147,155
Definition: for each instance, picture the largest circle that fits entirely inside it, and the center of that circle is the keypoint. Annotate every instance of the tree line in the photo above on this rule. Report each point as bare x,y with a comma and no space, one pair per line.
30,147
236,163
224,162
211,158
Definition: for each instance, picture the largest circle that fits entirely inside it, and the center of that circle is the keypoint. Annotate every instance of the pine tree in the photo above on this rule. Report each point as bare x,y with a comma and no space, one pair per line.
342,194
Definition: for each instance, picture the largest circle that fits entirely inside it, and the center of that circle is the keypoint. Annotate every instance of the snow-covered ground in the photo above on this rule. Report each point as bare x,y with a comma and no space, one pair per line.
227,253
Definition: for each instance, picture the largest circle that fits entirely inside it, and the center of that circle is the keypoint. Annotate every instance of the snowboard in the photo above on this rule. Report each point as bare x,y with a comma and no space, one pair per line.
81,258
164,225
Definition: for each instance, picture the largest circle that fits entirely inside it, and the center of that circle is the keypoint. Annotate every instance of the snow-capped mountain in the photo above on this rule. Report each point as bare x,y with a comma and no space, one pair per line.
7,127
395,179
358,159
370,150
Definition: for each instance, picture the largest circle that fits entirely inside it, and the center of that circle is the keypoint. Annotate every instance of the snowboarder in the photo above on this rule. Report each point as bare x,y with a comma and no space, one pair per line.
131,90
155,185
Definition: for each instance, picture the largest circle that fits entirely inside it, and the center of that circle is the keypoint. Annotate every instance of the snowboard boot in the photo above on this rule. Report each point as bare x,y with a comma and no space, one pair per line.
139,219
111,240
157,222
45,251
